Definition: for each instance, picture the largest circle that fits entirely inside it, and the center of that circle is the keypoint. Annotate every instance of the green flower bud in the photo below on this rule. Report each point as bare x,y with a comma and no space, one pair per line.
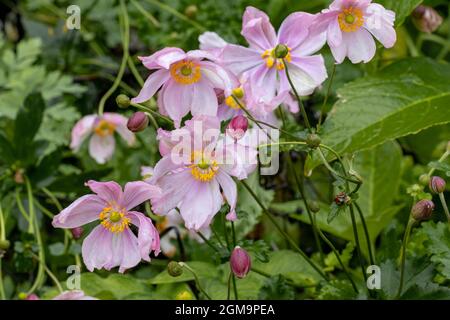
424,179
123,101
313,206
4,245
174,269
191,11
313,140
281,51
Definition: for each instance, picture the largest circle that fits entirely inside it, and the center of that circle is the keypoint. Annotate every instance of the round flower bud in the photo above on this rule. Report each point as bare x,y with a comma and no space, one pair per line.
424,179
191,11
137,122
281,51
174,269
77,232
237,127
426,19
240,262
123,101
313,140
4,245
437,184
313,206
422,210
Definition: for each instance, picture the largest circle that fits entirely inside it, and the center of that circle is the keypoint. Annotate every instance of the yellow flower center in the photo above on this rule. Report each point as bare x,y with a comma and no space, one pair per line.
104,128
272,60
350,19
203,169
230,101
114,220
185,72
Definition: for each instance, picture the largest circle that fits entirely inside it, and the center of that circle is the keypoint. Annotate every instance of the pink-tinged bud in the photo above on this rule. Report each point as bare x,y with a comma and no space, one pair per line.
437,184
77,232
237,127
32,297
426,19
240,262
137,122
422,210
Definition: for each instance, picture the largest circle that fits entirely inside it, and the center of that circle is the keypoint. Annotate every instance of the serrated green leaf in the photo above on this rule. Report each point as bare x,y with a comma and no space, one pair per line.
401,99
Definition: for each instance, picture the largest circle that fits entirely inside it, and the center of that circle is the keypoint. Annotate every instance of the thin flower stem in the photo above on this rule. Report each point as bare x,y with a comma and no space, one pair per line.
53,198
134,71
147,109
358,246
152,120
281,231
325,100
325,162
233,277
146,14
225,233
2,288
233,233
184,264
50,274
403,255
208,242
300,103
229,285
177,14
441,159
305,201
444,205
2,224
366,233
31,212
338,256
217,237
125,42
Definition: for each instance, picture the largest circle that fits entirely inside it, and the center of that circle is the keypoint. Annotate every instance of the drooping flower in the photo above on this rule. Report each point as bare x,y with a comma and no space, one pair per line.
101,130
187,82
350,26
195,173
112,243
263,63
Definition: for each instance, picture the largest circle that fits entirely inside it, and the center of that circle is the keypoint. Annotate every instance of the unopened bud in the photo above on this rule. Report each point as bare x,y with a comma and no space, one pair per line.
4,245
424,179
314,206
123,101
313,140
281,51
237,127
32,297
77,232
137,122
422,210
437,184
240,262
191,11
174,269
426,19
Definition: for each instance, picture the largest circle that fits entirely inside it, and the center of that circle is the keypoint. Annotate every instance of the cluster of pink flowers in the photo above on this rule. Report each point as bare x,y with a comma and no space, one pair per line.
194,177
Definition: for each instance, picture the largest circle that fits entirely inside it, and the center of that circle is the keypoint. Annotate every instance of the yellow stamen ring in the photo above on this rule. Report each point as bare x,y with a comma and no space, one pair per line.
351,19
104,128
272,60
113,220
185,72
203,169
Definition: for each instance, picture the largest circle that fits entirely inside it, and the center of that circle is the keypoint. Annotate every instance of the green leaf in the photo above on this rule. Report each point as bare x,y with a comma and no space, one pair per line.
402,8
401,99
6,150
202,269
276,288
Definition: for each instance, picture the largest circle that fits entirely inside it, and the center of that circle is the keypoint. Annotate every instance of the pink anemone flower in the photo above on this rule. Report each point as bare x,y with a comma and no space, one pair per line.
263,63
350,26
73,295
195,175
112,243
187,82
101,130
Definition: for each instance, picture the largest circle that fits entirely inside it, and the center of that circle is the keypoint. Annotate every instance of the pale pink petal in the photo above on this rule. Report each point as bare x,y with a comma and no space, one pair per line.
264,83
334,33
151,85
82,129
163,58
257,29
211,40
380,23
137,192
239,59
177,100
294,29
339,52
82,211
216,75
97,248
199,55
200,204
307,73
165,142
360,46
110,191
204,100
120,123
126,134
148,237
73,295
101,148
163,167
229,189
